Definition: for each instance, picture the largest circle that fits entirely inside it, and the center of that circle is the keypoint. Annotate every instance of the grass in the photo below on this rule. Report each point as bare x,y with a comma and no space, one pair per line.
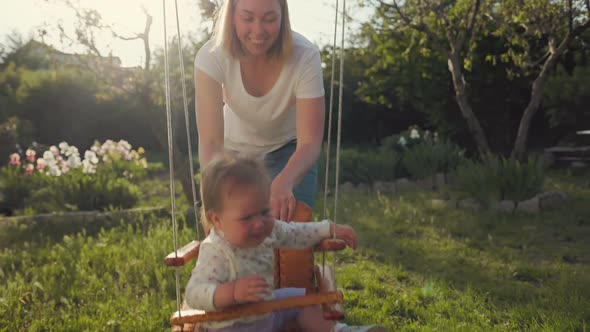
421,267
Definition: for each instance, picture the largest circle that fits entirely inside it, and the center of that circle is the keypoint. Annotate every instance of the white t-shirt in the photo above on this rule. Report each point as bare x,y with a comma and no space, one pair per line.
220,262
263,124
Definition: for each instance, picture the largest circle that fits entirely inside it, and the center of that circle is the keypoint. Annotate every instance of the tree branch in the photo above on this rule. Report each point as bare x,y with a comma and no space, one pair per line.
116,35
469,31
421,27
570,23
438,10
540,60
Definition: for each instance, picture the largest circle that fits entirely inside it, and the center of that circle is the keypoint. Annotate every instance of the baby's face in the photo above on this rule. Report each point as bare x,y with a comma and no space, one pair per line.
246,219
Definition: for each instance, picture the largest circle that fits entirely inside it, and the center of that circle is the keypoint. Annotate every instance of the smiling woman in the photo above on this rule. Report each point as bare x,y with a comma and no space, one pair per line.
259,90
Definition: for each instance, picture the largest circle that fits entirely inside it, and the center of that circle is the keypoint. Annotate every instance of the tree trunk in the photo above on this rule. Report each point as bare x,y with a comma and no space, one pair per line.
145,37
520,145
461,96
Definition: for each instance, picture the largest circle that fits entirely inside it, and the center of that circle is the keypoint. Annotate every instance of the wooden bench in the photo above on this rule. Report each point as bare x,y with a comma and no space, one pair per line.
569,155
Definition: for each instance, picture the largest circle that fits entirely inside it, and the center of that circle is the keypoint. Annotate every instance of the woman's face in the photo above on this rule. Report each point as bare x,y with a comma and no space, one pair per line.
257,24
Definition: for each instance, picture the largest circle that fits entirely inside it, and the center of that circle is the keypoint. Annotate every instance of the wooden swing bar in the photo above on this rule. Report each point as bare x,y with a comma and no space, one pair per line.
190,251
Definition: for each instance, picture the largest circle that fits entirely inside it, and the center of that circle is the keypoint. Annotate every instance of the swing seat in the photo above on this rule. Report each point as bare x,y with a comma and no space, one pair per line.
293,268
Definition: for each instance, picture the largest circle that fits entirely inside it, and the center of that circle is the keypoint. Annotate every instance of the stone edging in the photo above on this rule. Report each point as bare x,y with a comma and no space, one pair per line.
541,202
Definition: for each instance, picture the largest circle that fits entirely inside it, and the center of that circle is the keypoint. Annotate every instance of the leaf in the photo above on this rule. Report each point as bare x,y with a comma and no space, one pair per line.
39,286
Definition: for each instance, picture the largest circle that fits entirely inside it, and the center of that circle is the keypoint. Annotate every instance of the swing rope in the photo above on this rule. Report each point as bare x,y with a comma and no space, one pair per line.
339,132
170,140
186,121
171,156
330,109
339,128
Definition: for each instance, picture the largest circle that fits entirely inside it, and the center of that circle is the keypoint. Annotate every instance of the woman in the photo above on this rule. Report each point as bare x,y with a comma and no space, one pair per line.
259,89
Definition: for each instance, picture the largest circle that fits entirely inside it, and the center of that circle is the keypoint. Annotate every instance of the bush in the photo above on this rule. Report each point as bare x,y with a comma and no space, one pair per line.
17,187
423,153
521,181
425,159
362,166
86,192
496,178
62,181
478,181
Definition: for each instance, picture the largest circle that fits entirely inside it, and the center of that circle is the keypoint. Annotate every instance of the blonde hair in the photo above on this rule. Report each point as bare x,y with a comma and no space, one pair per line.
225,171
224,33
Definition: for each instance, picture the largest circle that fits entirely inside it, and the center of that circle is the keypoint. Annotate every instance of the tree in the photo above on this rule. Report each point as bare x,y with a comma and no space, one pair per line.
454,28
449,27
403,78
143,83
532,26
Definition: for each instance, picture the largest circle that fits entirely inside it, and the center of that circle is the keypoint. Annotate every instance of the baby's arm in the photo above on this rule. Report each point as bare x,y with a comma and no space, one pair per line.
299,235
209,288
204,290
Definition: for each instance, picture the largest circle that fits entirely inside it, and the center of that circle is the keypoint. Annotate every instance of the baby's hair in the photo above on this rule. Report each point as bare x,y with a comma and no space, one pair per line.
226,170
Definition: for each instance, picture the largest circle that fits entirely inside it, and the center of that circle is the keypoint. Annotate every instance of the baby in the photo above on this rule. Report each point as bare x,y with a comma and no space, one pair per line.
236,260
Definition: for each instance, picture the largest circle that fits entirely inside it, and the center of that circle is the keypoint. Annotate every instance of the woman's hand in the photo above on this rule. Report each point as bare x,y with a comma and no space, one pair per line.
251,288
282,200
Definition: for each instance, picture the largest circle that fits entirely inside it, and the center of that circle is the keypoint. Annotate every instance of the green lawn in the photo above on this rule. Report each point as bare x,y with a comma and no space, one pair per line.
421,267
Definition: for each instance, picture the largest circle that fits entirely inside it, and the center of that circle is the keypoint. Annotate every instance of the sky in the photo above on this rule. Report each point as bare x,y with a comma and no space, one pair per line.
312,18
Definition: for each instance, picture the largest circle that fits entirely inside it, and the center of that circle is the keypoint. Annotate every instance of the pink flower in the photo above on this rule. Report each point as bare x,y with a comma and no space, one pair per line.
30,155
29,169
41,164
14,159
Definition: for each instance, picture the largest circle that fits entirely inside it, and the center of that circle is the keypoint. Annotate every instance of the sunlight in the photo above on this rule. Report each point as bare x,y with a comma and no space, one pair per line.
312,18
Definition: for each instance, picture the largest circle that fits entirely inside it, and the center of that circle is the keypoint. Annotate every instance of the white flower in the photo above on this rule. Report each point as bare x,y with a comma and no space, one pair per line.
64,147
402,141
53,170
414,134
124,144
70,151
74,161
54,150
88,166
95,147
91,157
48,156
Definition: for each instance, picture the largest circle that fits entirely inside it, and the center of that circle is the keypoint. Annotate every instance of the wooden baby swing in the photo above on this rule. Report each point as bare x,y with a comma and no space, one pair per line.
293,268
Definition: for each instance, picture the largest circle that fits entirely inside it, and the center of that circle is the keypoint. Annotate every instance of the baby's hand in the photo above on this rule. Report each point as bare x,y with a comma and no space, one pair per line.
250,289
345,233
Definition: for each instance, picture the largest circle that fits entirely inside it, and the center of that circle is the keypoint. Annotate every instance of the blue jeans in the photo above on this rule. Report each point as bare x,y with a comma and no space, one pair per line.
305,191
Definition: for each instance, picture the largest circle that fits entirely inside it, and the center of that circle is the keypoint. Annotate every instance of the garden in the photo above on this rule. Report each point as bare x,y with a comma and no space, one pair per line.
422,265
447,110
